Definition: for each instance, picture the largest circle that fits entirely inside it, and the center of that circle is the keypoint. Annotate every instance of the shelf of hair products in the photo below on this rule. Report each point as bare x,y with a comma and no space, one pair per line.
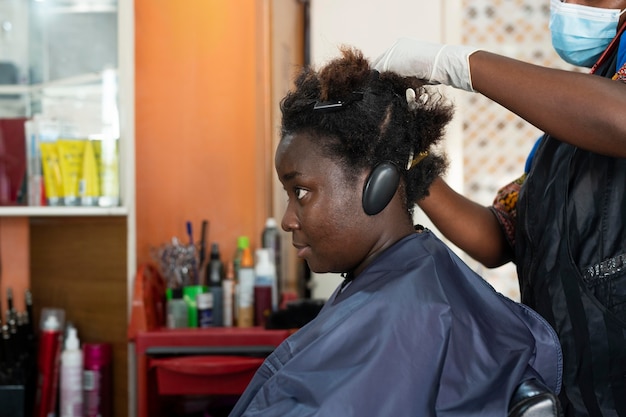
204,289
45,371
67,153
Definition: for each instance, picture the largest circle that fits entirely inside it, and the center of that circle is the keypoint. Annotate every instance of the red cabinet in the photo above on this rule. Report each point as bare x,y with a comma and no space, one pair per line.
210,361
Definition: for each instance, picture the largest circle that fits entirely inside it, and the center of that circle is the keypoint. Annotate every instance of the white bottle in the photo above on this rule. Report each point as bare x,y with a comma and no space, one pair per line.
71,388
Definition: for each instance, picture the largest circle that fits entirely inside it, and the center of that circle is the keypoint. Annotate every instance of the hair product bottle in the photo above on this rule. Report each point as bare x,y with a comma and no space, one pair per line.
206,309
265,295
270,239
48,356
214,277
177,310
245,307
71,399
228,293
242,243
97,382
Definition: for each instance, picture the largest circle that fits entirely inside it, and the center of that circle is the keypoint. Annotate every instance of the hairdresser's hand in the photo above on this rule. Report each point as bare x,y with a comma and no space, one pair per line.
435,63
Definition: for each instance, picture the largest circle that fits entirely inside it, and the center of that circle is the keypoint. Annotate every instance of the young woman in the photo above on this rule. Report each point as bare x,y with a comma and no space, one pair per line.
567,232
412,331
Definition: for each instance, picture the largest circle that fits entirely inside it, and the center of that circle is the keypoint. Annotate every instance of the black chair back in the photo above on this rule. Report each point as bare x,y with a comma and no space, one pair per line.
533,399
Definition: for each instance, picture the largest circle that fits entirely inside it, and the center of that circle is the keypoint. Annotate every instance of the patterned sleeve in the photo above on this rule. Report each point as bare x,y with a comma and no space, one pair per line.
621,74
505,208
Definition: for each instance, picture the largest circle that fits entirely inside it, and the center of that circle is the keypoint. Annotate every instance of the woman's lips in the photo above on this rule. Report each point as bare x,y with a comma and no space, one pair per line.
301,249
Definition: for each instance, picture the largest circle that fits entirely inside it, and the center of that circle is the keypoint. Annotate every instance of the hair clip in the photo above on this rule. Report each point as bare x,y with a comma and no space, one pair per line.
410,99
335,105
414,161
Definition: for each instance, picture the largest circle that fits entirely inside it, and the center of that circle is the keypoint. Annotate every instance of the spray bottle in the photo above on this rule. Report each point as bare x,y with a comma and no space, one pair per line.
228,292
271,240
214,277
245,299
48,356
242,243
265,294
97,379
71,400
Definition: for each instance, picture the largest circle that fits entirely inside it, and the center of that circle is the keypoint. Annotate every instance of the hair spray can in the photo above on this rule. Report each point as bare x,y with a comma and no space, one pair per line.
71,377
48,358
97,380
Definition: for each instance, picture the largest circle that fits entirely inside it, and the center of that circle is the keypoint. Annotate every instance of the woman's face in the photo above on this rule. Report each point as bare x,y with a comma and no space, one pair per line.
324,213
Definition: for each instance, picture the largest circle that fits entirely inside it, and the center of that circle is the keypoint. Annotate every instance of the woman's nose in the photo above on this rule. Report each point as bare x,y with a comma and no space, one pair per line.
289,221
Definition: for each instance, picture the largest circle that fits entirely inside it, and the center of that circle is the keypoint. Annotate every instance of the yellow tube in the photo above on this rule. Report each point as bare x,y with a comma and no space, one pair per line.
52,178
71,156
106,151
89,183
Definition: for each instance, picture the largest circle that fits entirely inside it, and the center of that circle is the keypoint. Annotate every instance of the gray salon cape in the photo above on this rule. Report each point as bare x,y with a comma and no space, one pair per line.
417,333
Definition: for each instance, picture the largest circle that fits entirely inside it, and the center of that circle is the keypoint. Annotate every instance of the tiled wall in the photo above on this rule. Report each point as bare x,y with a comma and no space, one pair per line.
496,141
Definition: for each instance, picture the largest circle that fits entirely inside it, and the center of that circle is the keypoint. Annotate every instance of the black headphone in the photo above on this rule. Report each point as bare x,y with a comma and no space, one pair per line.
380,187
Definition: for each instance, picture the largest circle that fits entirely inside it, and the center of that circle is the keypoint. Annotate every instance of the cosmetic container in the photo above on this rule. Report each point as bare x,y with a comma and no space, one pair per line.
265,296
214,277
245,292
177,310
228,294
271,240
71,389
48,357
205,310
97,380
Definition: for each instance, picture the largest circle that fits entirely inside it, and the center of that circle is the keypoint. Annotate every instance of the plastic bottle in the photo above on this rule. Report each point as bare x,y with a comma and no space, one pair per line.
245,299
215,276
270,239
228,294
206,309
265,295
177,310
71,398
97,382
48,357
242,243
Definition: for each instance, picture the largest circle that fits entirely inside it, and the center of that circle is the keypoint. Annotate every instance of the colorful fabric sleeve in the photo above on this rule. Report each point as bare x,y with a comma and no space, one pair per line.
505,208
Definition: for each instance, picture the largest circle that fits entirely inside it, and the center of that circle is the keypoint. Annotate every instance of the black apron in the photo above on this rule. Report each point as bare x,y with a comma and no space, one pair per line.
571,258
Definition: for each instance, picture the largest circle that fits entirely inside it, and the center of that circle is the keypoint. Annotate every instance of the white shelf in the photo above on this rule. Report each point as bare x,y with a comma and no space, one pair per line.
28,211
77,80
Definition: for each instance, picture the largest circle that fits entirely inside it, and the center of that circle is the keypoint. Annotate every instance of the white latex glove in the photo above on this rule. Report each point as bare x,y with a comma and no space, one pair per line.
433,62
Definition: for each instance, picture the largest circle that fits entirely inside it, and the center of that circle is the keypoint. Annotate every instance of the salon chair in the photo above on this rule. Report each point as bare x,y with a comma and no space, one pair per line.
533,399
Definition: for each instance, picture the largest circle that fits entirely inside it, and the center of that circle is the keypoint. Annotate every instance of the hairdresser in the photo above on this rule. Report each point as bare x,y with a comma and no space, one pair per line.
567,230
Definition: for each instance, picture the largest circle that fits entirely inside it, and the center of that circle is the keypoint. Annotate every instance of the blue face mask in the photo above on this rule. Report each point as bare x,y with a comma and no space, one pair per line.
581,33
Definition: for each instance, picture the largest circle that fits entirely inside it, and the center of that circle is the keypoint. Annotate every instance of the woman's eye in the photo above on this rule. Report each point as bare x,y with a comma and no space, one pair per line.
300,193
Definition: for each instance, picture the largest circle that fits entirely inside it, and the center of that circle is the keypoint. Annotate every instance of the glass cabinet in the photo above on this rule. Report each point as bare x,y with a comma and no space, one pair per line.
67,218
59,106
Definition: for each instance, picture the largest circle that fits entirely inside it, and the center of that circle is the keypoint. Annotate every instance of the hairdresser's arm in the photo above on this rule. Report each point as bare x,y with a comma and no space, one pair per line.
581,109
468,225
